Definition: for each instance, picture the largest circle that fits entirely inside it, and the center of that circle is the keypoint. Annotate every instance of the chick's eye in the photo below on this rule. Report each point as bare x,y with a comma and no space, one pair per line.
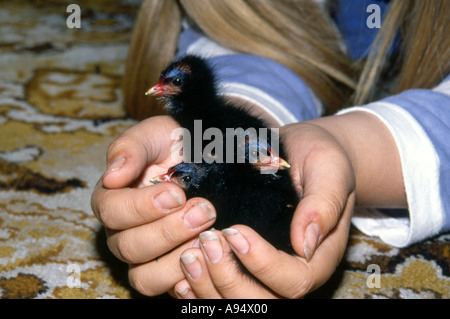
177,82
186,179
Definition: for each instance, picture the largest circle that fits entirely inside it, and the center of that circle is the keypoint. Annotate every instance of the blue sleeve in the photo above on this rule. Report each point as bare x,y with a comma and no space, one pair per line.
431,109
263,82
419,121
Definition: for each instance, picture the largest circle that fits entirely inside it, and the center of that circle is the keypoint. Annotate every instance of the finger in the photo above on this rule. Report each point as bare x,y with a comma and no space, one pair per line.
314,218
131,207
159,275
183,290
148,241
287,275
226,273
145,143
326,191
276,269
196,272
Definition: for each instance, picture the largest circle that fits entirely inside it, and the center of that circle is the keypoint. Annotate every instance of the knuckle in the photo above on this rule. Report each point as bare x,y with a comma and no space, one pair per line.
298,289
125,247
117,144
229,286
327,213
333,208
108,210
102,210
135,207
297,284
148,280
138,281
263,270
169,235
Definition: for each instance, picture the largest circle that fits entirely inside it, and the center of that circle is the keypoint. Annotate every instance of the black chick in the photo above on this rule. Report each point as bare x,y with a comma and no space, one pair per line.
241,195
189,88
240,191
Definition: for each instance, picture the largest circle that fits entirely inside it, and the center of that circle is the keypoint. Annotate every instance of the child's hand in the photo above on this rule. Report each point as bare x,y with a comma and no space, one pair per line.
325,177
211,272
332,159
335,161
338,161
144,221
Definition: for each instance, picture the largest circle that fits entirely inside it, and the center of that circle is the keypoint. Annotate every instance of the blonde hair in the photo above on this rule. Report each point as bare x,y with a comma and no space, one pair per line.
424,57
298,34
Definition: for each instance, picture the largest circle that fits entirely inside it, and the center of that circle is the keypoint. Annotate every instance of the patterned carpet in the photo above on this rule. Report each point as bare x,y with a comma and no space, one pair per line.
60,108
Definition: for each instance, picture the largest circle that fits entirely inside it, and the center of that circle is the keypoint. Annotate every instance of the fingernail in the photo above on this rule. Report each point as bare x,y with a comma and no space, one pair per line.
236,240
183,289
311,240
115,165
183,292
199,215
211,246
192,266
168,200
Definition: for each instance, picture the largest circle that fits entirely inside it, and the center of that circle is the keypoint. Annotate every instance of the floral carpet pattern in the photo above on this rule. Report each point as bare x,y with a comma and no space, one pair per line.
60,108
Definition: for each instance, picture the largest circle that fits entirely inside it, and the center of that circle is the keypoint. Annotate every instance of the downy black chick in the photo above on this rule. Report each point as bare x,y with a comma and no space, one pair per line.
190,91
240,191
241,194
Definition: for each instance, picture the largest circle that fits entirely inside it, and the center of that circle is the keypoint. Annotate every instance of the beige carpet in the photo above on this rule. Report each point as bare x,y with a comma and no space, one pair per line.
60,107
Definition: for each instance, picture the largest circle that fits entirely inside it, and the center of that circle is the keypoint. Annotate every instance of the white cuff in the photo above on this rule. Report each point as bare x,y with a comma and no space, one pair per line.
420,166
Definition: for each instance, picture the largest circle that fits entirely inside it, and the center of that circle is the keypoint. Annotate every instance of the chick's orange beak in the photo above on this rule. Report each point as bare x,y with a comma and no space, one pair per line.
272,161
156,90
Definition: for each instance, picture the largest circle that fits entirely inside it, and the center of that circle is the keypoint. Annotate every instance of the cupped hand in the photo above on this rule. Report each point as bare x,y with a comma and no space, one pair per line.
323,172
145,221
211,271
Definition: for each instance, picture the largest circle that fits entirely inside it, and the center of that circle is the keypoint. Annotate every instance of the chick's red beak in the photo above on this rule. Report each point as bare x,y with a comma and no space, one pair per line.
272,161
163,178
168,178
157,90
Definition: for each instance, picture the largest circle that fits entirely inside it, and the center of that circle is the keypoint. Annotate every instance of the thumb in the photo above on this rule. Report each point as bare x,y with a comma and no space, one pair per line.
145,143
328,192
315,217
